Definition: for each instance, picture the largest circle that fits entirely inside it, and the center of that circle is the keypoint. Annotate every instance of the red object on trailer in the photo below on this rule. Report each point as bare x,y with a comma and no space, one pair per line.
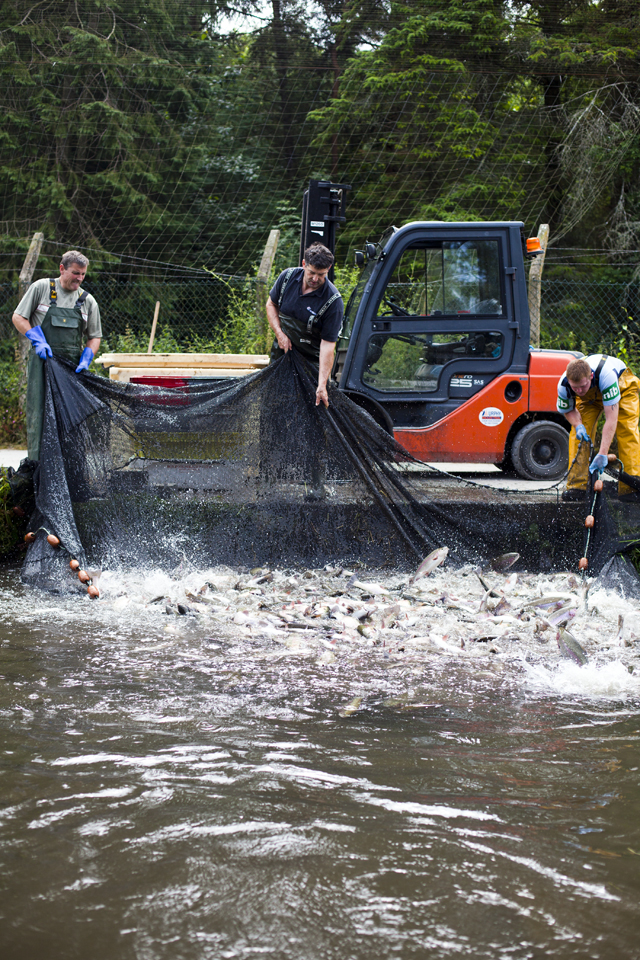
179,384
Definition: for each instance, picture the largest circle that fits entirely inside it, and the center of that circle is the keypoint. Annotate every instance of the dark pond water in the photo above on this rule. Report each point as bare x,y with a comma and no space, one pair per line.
173,790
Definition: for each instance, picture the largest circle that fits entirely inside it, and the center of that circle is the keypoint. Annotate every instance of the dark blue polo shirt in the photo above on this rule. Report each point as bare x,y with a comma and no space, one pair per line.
294,304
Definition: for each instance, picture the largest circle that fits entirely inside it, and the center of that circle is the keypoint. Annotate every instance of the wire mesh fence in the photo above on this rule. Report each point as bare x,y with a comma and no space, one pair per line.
590,316
194,312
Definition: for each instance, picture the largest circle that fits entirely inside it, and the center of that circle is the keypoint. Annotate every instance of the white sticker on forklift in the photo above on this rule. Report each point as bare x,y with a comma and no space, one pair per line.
491,416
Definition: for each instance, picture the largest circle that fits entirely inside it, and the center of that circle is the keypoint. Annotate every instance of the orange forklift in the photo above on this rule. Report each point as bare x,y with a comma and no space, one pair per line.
435,343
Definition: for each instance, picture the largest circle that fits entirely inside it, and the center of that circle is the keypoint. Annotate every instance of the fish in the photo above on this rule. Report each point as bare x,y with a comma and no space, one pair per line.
374,589
351,708
503,562
570,649
547,601
485,586
562,614
435,558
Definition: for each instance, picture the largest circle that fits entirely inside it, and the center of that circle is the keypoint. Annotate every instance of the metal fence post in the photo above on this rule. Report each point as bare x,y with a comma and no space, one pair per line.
264,271
535,285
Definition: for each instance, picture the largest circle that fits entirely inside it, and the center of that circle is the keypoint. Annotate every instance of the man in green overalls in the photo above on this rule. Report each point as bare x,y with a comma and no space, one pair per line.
57,316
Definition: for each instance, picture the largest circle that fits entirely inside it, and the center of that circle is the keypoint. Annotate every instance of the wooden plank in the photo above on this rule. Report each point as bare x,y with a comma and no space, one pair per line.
262,279
208,361
535,286
124,374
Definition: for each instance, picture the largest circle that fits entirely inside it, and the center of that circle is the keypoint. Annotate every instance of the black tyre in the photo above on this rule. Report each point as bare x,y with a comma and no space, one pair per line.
540,451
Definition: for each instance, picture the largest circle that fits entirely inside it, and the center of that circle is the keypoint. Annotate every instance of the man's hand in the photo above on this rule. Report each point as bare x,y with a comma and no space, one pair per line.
273,316
283,341
598,463
85,359
322,396
39,342
581,432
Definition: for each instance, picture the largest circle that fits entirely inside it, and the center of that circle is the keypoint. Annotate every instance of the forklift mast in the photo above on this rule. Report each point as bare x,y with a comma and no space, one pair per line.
323,207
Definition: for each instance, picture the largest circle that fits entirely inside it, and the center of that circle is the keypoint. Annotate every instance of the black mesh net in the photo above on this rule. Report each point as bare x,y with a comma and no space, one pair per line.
250,472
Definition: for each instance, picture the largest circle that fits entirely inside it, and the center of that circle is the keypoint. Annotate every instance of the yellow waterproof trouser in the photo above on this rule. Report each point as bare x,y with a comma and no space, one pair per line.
590,407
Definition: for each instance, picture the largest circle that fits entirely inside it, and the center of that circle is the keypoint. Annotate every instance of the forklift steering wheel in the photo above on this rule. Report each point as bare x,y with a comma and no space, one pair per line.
395,308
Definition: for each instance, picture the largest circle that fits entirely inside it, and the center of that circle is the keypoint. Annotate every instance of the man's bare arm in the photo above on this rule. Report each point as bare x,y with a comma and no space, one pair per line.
273,316
609,428
327,350
20,323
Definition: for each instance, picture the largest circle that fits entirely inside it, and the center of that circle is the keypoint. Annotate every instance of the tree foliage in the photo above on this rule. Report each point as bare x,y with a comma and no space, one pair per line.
150,134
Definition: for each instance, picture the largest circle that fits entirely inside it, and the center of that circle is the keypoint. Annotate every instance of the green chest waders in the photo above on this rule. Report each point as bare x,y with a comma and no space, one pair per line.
62,327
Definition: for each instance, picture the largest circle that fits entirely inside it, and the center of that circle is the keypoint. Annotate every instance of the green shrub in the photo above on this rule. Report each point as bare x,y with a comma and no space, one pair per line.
13,429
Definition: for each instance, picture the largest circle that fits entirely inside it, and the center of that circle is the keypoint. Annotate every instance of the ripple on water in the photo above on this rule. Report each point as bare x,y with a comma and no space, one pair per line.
446,785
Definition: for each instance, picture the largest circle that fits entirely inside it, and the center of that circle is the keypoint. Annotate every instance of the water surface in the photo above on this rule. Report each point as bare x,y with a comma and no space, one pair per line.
177,787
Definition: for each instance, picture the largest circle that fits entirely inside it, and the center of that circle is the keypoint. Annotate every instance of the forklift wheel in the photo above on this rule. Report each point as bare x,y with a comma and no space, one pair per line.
540,451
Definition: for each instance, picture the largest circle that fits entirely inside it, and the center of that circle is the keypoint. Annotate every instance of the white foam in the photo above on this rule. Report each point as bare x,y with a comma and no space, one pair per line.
593,680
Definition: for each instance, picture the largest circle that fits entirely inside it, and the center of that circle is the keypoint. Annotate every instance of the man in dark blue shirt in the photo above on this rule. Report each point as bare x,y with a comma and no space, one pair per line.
305,311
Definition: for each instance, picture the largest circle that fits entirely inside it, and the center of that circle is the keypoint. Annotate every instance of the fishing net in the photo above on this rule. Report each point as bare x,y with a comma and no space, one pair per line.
250,472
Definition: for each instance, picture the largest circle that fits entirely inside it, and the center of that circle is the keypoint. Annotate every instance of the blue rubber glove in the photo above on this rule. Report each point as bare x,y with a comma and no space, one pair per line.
85,360
581,432
39,342
598,463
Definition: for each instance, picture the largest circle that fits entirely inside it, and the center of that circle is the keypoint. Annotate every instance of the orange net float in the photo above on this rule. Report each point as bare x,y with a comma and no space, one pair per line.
598,485
589,521
83,576
29,537
74,564
53,540
93,592
584,563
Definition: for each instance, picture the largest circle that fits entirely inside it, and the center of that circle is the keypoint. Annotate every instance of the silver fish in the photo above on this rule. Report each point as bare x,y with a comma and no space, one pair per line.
562,614
547,601
570,648
374,589
351,708
435,558
503,562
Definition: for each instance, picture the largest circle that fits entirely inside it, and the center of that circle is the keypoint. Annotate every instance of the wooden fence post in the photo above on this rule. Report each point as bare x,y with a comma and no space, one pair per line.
262,279
24,280
535,286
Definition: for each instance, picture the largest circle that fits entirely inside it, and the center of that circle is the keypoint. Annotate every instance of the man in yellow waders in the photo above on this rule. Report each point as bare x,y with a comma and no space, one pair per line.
57,316
590,386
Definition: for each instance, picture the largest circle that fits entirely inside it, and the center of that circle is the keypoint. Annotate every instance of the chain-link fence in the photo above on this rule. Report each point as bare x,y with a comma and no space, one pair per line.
590,316
193,311
575,314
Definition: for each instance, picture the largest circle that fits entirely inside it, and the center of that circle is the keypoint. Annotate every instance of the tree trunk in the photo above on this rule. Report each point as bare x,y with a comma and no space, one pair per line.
284,90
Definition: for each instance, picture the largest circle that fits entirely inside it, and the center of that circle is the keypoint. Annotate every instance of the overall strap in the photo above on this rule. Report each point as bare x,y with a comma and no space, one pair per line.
53,294
313,317
81,299
287,277
325,306
596,375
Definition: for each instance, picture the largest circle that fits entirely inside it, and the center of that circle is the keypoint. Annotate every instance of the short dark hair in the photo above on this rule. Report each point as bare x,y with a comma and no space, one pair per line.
73,256
318,256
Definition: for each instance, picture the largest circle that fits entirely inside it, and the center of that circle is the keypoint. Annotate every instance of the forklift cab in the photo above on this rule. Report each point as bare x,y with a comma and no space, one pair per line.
433,319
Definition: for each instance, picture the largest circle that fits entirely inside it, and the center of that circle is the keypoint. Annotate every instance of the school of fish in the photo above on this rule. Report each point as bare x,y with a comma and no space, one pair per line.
470,612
